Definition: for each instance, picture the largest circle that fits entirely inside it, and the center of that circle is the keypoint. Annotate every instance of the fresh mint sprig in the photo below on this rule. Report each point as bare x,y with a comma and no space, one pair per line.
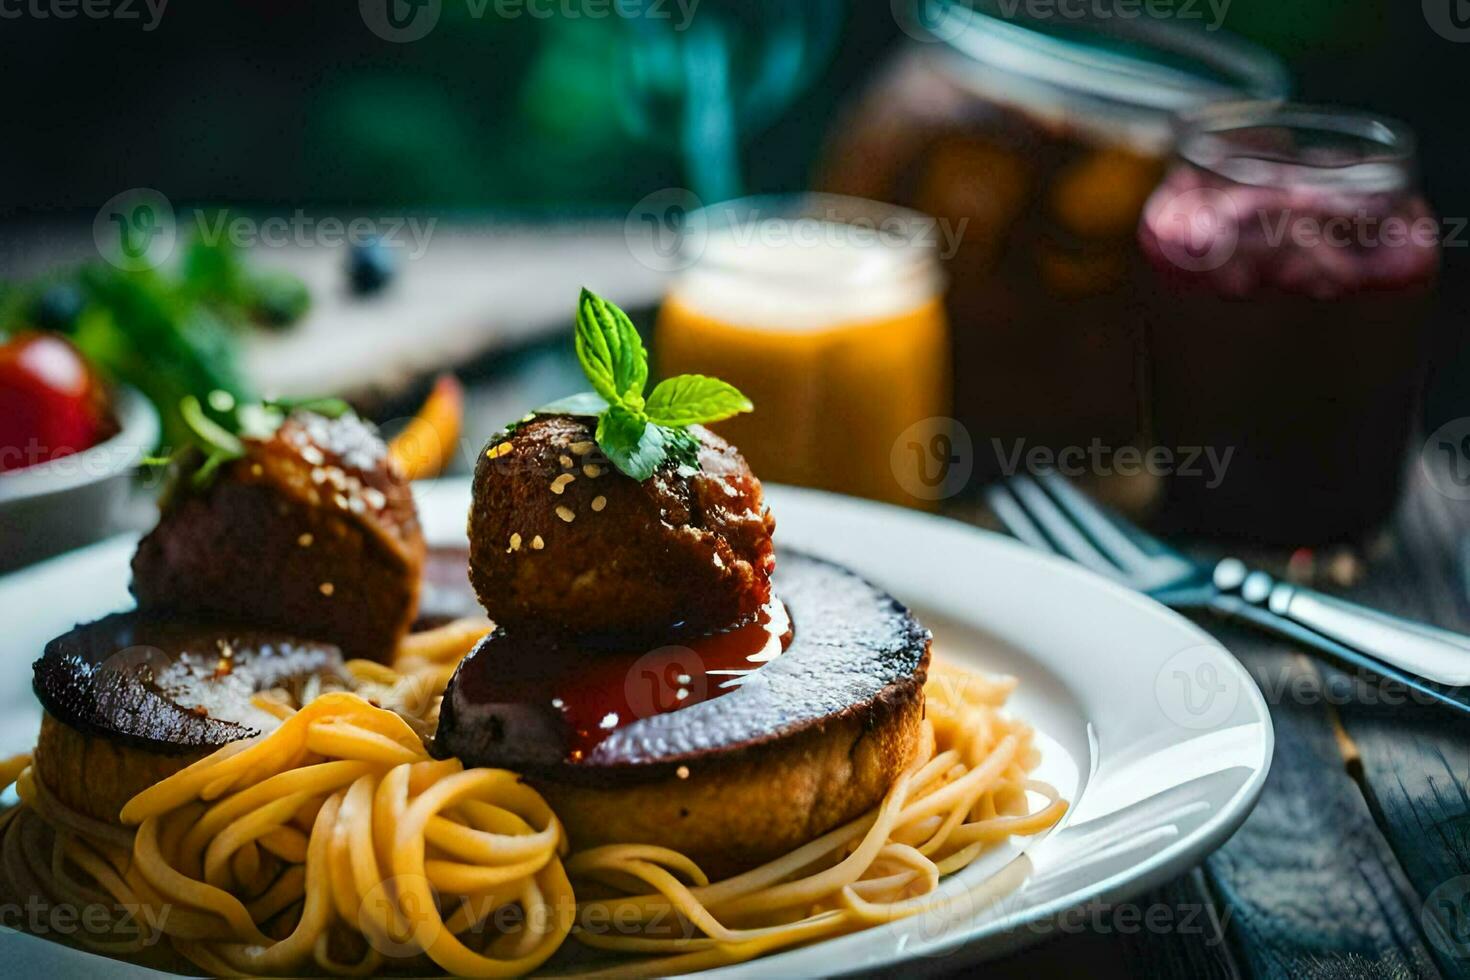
639,434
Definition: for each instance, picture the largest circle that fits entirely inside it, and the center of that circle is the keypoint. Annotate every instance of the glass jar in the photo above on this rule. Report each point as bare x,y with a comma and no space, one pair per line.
1037,142
826,312
1293,262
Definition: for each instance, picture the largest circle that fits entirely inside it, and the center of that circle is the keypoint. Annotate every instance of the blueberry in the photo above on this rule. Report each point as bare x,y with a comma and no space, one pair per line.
58,307
370,267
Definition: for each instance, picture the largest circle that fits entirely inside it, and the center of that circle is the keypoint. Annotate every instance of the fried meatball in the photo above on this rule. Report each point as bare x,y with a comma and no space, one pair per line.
561,540
312,532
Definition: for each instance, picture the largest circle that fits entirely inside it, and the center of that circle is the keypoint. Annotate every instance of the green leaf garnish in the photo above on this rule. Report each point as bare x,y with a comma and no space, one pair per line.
639,436
218,431
694,399
586,403
610,350
211,435
634,446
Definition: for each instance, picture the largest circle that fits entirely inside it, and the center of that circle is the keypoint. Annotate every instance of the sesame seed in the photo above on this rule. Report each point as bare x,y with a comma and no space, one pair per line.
305,540
375,498
256,469
327,588
560,483
682,772
515,542
498,451
592,470
313,456
598,503
566,461
582,448
537,544
565,513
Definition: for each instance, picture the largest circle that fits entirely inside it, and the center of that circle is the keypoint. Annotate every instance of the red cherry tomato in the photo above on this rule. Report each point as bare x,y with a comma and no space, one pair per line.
51,402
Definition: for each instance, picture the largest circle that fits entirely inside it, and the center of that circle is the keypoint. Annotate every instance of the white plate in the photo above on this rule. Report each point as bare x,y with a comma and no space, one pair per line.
1153,731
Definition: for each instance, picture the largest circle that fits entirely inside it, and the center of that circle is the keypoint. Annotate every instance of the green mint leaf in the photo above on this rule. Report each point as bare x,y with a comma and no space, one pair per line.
610,350
586,403
211,436
332,408
693,399
683,447
635,446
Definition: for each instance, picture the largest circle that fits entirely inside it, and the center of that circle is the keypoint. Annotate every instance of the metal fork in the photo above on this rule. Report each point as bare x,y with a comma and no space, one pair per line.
1048,513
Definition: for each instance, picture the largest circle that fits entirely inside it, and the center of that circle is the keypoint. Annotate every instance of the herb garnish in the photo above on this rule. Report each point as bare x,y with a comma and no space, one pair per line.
219,431
639,435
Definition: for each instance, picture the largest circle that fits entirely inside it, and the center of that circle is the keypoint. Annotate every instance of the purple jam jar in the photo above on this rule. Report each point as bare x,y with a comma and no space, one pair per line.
1294,261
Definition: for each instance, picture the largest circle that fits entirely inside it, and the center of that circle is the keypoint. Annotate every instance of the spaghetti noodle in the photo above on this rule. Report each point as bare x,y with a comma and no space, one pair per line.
335,843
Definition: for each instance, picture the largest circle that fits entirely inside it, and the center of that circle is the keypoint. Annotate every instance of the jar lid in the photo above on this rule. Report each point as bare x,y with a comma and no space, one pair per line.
1146,66
1286,145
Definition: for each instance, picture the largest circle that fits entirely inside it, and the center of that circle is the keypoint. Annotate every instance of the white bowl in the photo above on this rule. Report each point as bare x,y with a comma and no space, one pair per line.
53,507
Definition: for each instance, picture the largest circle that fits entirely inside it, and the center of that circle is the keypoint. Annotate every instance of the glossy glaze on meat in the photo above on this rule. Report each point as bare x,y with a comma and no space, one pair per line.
561,541
855,652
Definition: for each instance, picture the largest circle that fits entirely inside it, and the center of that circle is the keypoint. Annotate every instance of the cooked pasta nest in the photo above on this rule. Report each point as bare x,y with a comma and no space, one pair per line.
335,844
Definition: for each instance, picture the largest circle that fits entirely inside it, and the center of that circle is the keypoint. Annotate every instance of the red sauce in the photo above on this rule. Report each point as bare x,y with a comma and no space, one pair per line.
594,693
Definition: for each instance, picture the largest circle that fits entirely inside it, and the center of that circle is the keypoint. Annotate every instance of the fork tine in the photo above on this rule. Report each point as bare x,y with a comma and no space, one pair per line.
1099,526
1065,536
1013,516
1145,558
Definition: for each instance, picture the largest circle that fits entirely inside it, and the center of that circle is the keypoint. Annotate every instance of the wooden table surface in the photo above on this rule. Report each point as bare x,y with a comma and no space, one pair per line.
1355,863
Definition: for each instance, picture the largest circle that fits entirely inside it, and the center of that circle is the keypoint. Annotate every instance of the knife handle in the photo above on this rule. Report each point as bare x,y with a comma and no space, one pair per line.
1427,651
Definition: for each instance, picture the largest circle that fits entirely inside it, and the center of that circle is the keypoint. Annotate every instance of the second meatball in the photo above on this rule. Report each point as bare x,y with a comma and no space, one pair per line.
561,540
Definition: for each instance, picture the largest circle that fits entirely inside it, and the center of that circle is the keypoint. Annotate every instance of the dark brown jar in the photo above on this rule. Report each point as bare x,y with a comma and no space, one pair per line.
1293,262
1035,143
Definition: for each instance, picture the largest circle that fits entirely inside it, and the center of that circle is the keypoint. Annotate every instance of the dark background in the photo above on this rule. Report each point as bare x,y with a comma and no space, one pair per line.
279,103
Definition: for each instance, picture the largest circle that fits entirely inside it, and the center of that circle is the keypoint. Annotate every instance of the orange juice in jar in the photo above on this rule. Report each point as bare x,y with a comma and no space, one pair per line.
827,312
